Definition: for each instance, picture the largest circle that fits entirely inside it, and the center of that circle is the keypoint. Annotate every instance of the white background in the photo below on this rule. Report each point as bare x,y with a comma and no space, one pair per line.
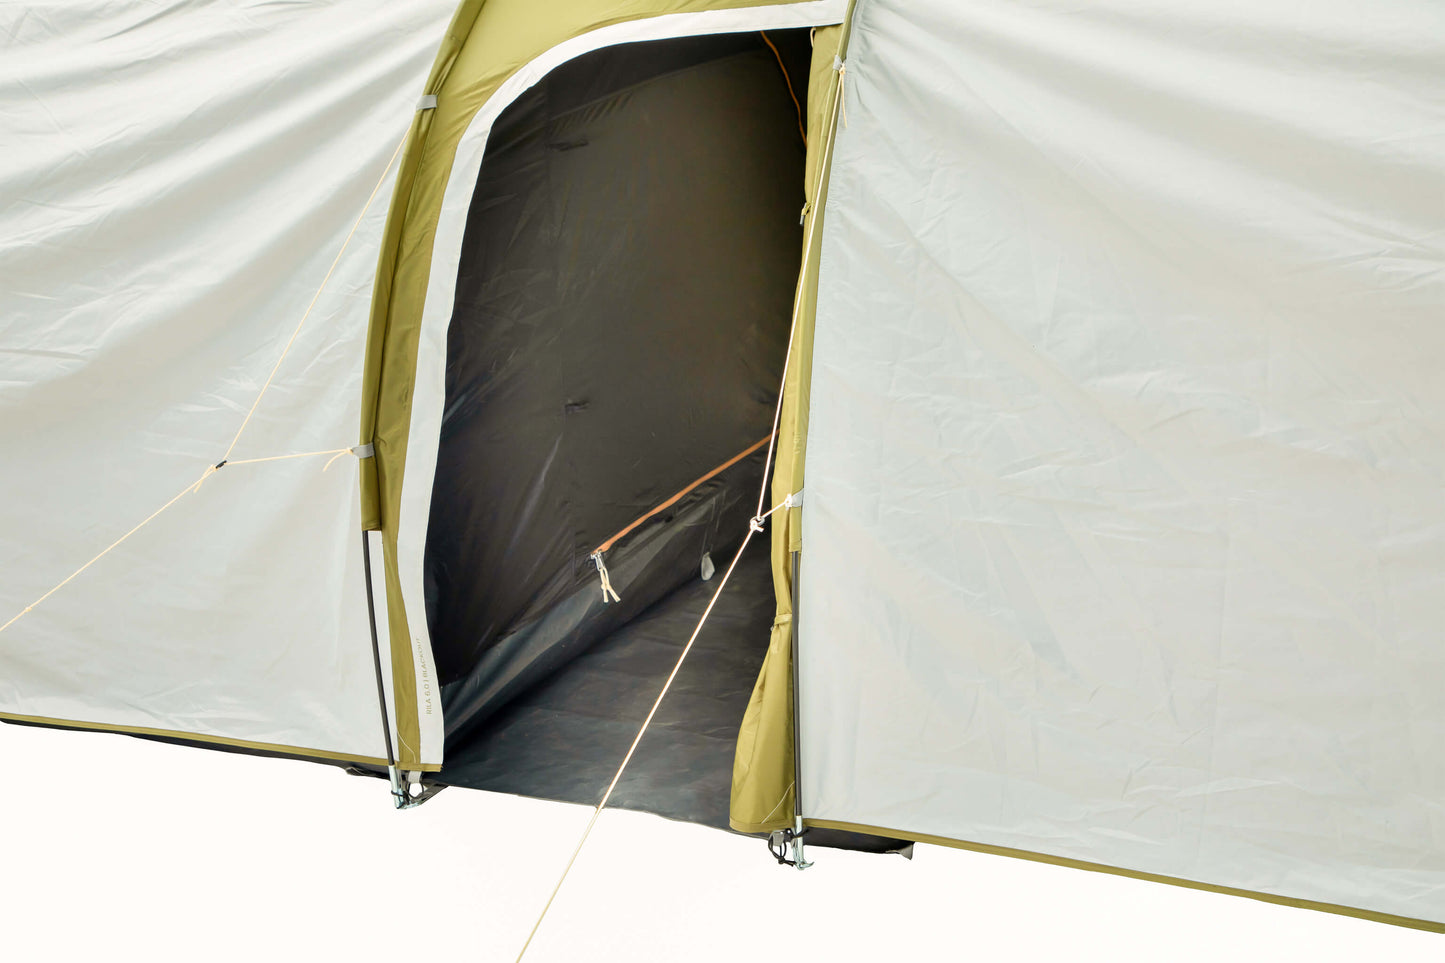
116,848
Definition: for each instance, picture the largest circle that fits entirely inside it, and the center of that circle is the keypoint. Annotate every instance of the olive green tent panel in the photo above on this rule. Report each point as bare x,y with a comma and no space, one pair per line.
763,795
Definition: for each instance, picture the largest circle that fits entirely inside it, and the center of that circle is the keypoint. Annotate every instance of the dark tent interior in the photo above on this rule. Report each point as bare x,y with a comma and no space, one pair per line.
621,321
613,361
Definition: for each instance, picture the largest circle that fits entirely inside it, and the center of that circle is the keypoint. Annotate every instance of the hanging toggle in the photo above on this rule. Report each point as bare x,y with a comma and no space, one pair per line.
609,594
792,501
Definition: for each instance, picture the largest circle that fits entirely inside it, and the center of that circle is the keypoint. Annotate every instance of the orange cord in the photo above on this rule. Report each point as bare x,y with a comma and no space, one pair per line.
673,500
789,81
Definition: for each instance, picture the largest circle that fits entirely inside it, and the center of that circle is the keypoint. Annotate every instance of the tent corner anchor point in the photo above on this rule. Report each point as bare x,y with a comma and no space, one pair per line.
408,788
782,842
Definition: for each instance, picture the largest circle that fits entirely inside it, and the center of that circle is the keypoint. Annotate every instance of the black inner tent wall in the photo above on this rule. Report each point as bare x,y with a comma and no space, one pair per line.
621,318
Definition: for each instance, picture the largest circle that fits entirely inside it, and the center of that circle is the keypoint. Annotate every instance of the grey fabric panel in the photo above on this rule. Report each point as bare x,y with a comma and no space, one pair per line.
620,321
1124,539
564,738
644,568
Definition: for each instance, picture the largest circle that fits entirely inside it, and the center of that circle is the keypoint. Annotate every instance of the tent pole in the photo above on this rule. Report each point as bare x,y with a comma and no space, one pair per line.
798,859
398,789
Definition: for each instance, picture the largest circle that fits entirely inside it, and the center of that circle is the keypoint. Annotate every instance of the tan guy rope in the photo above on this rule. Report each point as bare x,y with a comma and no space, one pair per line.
192,487
633,748
789,81
106,551
755,526
798,295
226,459
299,324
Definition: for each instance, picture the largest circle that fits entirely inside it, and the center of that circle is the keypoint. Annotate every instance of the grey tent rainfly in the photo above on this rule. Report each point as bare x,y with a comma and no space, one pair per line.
419,425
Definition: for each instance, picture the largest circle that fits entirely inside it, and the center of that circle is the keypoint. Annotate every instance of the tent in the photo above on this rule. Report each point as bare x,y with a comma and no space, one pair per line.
1108,340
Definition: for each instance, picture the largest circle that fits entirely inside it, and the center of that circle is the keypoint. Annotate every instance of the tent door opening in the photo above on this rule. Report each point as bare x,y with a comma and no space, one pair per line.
621,318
